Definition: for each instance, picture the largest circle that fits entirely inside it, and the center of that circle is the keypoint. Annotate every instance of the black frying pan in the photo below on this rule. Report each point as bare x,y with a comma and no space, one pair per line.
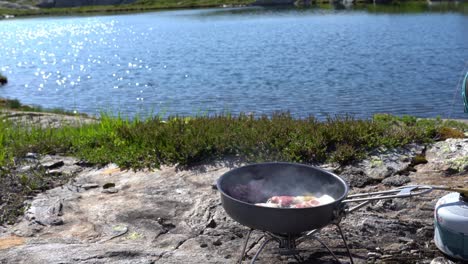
241,188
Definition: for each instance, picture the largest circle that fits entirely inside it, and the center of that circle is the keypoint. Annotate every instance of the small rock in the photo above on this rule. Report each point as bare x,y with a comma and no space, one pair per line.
426,206
203,245
110,190
217,243
425,232
88,186
355,177
83,163
405,239
395,247
211,224
53,164
56,221
24,168
441,260
54,173
373,255
108,185
414,251
450,156
31,155
397,180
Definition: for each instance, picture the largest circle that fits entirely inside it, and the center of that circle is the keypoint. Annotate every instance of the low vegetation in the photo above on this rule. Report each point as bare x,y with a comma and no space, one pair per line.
153,142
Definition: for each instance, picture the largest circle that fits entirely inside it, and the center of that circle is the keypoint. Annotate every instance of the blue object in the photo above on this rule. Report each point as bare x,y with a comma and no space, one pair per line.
451,225
465,92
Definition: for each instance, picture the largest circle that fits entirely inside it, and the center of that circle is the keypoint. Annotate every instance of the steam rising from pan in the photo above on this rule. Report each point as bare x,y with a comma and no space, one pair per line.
258,187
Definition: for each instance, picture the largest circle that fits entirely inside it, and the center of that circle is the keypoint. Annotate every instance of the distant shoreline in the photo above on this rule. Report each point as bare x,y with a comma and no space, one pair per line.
121,9
8,13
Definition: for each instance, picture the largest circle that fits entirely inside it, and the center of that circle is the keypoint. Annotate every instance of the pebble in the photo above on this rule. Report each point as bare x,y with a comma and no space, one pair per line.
110,190
395,247
88,186
25,168
54,173
31,155
405,239
373,255
108,185
57,221
441,260
53,164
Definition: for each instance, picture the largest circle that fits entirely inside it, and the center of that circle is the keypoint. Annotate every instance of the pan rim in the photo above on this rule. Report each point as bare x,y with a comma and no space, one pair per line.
338,200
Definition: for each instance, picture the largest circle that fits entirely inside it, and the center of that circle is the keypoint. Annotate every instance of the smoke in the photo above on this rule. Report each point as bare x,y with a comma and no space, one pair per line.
258,183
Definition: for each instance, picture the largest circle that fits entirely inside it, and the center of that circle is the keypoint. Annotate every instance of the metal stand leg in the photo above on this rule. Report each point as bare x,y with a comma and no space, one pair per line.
346,244
260,249
244,246
329,250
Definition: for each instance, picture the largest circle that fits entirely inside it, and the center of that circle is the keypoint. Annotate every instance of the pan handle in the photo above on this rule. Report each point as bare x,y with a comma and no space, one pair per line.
402,192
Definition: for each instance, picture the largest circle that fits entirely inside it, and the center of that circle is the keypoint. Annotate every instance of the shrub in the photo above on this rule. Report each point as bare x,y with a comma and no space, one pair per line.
14,104
448,132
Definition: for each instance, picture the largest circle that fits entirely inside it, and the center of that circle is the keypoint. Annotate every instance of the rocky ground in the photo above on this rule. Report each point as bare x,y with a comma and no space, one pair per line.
18,4
44,119
171,215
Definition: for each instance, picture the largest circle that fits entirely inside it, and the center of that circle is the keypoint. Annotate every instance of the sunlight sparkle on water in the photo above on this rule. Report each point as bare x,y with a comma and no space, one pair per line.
239,62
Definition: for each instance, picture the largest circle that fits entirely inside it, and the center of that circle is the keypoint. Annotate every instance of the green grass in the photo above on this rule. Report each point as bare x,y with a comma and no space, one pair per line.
152,142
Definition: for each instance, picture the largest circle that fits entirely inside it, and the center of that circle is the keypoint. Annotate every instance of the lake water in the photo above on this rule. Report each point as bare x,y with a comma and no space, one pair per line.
257,60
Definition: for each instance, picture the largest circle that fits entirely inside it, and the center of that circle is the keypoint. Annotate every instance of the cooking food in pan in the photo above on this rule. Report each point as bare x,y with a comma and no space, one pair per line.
296,201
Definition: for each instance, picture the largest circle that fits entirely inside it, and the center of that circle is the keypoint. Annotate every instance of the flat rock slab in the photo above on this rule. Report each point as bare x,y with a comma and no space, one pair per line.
450,156
43,119
175,216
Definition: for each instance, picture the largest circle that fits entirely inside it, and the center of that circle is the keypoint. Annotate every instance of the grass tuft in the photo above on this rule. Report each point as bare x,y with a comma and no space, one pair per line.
449,132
